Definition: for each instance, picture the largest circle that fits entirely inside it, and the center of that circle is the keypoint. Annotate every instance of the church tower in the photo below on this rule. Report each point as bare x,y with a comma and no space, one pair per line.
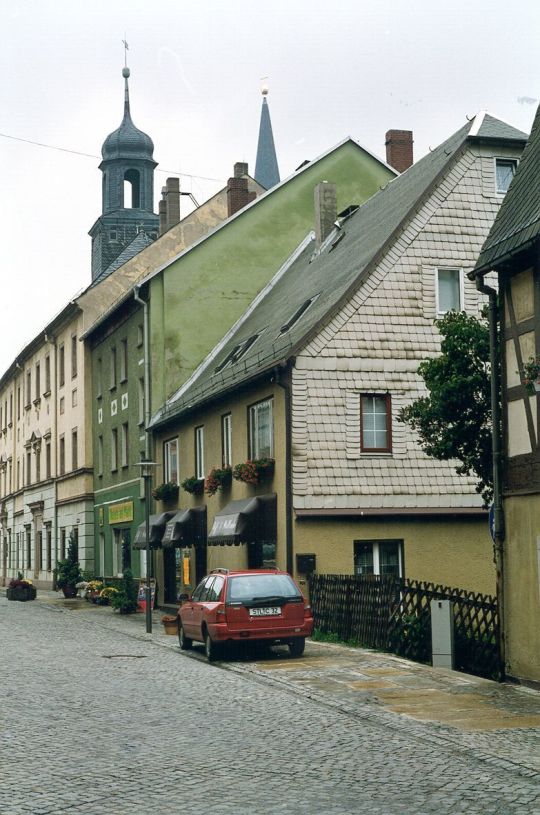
266,166
127,192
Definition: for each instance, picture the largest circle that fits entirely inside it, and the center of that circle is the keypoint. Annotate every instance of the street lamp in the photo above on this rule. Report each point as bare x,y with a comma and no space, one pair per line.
146,473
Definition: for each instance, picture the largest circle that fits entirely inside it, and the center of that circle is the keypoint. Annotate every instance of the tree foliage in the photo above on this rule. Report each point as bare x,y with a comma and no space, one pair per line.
454,420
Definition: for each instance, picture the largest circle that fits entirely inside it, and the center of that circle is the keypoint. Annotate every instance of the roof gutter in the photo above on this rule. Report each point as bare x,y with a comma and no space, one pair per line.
498,531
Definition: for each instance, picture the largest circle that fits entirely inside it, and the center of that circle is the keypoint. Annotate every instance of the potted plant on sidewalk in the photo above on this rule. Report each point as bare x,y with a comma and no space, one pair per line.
125,600
21,589
68,571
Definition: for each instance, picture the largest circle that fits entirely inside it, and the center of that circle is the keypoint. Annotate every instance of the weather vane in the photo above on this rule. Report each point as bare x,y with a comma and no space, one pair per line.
264,85
126,49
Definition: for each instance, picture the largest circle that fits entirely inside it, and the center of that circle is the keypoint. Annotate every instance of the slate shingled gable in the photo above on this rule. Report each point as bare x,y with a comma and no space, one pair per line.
332,275
518,221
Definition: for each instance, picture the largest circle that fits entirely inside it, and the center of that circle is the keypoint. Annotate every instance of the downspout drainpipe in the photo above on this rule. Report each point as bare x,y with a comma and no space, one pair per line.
498,517
284,381
146,345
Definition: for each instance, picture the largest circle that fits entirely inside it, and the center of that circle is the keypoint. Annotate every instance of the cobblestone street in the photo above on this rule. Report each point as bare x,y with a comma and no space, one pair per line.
100,718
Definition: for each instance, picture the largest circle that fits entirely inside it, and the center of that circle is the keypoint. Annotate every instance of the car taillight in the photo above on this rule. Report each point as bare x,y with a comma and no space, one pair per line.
220,610
307,610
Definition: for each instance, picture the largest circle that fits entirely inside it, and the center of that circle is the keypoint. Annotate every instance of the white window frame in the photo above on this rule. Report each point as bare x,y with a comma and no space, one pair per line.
124,445
461,288
114,449
253,425
100,455
199,452
503,160
123,360
226,440
376,451
376,554
170,453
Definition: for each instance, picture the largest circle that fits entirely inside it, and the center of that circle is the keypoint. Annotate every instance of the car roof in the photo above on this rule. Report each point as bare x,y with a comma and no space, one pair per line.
236,572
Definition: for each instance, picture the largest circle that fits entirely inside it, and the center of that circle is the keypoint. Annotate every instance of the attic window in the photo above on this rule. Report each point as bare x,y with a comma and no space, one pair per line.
237,352
297,314
339,237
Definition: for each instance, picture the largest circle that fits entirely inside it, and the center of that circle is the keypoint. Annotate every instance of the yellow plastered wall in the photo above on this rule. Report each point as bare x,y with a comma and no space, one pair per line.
452,551
522,586
230,557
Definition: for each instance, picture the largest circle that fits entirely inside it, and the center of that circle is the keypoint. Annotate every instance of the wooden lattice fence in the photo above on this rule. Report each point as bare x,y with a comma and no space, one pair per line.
393,614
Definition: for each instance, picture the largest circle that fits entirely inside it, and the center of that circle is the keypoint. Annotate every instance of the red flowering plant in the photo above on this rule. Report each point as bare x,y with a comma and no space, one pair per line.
253,471
219,478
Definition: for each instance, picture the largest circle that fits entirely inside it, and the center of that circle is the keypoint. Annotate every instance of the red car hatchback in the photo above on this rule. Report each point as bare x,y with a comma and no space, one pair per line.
251,605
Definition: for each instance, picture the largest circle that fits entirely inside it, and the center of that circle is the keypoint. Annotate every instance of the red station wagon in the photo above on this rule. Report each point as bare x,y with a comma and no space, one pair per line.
254,605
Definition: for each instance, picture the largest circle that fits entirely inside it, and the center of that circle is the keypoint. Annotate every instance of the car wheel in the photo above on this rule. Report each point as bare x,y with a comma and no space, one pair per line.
184,642
296,646
211,649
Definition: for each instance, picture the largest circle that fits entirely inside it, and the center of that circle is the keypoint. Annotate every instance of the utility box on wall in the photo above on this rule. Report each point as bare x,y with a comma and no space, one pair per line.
442,633
306,564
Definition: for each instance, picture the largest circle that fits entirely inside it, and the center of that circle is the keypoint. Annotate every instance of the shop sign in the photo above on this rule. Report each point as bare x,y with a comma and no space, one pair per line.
121,513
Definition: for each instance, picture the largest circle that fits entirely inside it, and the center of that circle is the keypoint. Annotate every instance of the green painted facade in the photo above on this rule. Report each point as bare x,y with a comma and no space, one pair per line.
118,421
199,296
194,300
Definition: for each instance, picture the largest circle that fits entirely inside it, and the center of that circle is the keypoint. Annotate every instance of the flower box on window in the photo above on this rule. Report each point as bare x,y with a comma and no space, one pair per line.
218,479
193,485
168,491
254,471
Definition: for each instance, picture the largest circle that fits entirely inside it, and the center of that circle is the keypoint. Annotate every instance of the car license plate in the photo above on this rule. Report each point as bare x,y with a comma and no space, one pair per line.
268,611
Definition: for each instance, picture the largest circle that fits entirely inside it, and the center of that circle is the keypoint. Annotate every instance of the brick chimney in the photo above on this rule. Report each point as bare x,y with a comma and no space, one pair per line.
238,194
399,149
325,210
169,206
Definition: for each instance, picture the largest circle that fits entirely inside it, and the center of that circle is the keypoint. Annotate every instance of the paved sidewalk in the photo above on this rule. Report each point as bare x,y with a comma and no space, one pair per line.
499,719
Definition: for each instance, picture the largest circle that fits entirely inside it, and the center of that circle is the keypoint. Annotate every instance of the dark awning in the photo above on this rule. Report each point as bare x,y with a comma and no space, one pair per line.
186,528
157,528
253,520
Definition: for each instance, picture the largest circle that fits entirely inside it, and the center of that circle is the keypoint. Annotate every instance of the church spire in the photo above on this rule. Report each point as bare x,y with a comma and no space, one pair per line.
127,190
266,166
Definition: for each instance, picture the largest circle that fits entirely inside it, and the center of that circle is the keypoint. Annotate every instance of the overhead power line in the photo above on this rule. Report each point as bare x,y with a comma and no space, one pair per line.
91,155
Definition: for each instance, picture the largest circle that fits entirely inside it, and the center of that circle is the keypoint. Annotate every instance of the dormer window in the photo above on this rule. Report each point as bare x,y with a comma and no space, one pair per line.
505,170
237,352
293,319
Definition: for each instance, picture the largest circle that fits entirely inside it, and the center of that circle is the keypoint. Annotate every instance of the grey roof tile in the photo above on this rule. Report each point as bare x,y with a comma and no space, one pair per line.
331,277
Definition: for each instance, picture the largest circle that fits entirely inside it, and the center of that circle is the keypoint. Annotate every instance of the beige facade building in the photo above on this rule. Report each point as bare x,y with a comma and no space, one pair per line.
318,369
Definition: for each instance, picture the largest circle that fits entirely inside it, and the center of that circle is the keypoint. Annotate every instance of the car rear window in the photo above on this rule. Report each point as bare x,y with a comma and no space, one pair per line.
250,587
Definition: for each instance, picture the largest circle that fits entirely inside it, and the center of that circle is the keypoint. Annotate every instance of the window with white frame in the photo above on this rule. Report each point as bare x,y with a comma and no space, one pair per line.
74,449
505,170
381,557
261,430
114,448
226,440
123,360
449,290
170,460
199,452
124,445
376,423
100,455
112,372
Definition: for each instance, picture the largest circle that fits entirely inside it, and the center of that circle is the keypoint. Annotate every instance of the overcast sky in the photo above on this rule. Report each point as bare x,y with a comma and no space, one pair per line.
336,69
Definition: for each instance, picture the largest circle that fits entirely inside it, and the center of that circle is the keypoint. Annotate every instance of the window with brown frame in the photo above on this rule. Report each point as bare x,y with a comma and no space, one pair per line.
376,423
